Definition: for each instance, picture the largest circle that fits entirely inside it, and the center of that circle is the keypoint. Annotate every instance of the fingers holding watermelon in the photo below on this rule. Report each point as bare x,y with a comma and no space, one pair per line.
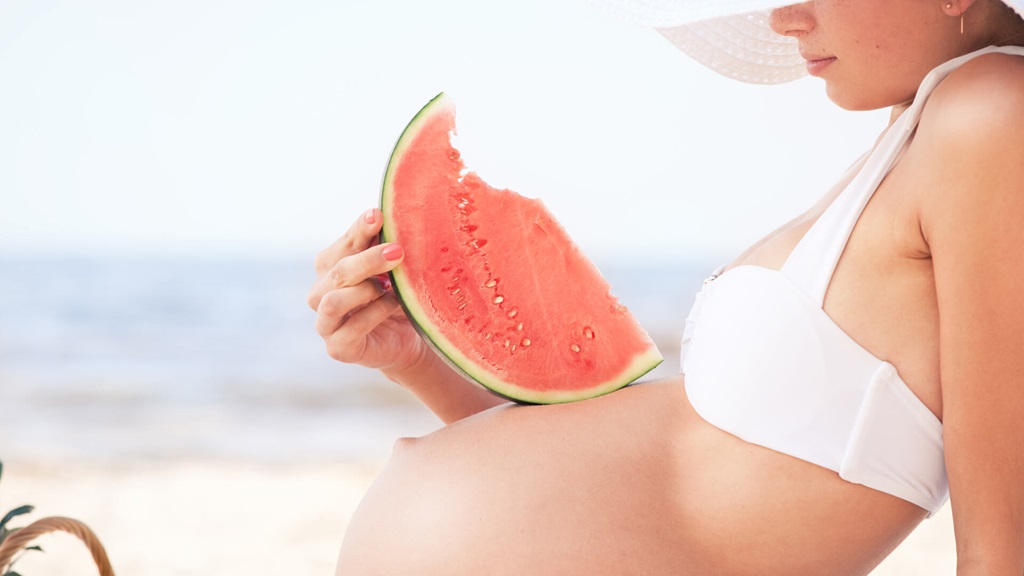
361,321
353,258
370,265
338,306
362,235
364,326
358,317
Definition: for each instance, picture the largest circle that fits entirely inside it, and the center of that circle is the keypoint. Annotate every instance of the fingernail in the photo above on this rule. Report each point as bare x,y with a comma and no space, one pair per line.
392,252
370,216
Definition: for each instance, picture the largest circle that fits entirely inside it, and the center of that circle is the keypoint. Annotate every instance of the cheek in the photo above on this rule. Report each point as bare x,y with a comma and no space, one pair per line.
880,58
877,47
881,72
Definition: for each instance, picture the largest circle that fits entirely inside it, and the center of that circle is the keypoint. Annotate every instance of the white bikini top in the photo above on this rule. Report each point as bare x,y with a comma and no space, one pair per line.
764,362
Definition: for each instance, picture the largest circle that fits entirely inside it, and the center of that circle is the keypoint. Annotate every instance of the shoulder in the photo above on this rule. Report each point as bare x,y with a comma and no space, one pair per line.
971,140
979,103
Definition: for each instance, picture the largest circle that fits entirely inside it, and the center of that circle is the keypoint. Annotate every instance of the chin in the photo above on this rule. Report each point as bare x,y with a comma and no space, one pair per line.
857,99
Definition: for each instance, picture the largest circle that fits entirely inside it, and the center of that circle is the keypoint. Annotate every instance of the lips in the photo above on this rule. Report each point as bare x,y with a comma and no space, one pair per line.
817,64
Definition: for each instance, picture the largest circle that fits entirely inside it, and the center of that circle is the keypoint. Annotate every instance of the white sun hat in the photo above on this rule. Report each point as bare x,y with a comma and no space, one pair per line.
731,37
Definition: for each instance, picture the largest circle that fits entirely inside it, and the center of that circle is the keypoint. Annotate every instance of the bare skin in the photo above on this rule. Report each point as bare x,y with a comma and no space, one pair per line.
591,488
636,482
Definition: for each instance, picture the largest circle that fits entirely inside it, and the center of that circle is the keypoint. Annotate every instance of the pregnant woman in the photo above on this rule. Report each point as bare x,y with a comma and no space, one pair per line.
842,379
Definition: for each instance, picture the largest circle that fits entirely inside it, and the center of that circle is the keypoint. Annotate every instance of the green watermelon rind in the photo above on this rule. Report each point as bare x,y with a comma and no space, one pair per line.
446,350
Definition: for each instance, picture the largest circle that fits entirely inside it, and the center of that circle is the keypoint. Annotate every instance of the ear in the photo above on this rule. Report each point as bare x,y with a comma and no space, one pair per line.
956,7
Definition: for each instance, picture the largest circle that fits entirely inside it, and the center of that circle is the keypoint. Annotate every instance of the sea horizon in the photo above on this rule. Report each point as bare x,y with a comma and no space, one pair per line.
113,356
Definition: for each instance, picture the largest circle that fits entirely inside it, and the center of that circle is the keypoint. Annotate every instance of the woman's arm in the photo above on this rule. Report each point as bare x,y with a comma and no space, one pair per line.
973,134
445,392
362,323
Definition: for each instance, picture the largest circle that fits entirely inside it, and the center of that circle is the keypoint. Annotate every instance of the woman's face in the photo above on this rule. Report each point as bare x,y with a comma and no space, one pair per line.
872,53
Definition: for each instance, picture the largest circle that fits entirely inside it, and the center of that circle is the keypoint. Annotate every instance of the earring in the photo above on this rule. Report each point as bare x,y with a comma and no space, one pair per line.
949,6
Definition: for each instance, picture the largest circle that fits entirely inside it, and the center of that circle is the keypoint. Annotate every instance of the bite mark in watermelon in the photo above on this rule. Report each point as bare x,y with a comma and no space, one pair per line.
494,282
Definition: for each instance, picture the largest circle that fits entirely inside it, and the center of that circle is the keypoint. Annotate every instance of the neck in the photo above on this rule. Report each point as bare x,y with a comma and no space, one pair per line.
898,111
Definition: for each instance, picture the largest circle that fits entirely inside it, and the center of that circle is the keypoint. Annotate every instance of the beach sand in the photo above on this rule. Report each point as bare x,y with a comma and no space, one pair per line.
187,517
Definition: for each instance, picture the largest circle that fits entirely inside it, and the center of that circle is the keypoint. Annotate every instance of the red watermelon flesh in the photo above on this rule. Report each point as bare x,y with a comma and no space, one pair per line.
495,282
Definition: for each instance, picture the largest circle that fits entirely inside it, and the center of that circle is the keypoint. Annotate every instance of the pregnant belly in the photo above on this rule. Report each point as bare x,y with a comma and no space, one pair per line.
765,506
634,482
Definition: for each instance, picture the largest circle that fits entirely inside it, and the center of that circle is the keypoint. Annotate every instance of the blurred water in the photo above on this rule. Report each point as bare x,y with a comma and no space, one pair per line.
152,358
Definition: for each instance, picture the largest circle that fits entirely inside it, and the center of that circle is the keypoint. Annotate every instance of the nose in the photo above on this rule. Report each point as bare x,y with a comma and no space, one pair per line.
794,20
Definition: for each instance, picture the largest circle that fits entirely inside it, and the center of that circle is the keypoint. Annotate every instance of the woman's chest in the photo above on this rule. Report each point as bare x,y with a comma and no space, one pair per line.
881,292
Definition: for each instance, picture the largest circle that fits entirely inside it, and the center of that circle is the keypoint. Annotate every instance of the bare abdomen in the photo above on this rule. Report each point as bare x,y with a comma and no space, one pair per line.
630,483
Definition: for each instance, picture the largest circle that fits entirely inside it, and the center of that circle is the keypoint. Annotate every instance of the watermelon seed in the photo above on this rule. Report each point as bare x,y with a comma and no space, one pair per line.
491,283
499,299
575,348
520,326
487,336
525,342
588,333
469,228
456,291
512,313
513,347
507,343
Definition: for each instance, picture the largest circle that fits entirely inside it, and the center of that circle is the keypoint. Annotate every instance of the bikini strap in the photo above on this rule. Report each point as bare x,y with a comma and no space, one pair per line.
813,261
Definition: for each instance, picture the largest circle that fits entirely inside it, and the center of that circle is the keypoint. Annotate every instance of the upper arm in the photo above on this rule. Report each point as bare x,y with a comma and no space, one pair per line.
973,222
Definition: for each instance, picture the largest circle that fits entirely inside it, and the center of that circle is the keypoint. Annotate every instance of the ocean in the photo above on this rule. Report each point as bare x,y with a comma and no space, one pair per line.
216,357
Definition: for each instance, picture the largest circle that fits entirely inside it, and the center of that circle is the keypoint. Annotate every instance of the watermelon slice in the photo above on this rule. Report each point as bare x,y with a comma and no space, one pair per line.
494,282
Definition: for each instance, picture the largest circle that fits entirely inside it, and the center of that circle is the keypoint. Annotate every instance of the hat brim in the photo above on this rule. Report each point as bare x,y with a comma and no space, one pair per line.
741,47
731,37
671,13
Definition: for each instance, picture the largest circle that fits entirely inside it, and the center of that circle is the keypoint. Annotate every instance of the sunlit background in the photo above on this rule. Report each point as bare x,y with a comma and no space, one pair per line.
168,170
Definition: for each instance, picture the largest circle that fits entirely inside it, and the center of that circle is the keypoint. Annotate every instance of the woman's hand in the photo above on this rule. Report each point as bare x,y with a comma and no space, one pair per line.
362,322
358,317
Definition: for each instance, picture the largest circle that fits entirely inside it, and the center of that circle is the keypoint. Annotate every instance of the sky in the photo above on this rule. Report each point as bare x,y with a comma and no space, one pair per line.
263,127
